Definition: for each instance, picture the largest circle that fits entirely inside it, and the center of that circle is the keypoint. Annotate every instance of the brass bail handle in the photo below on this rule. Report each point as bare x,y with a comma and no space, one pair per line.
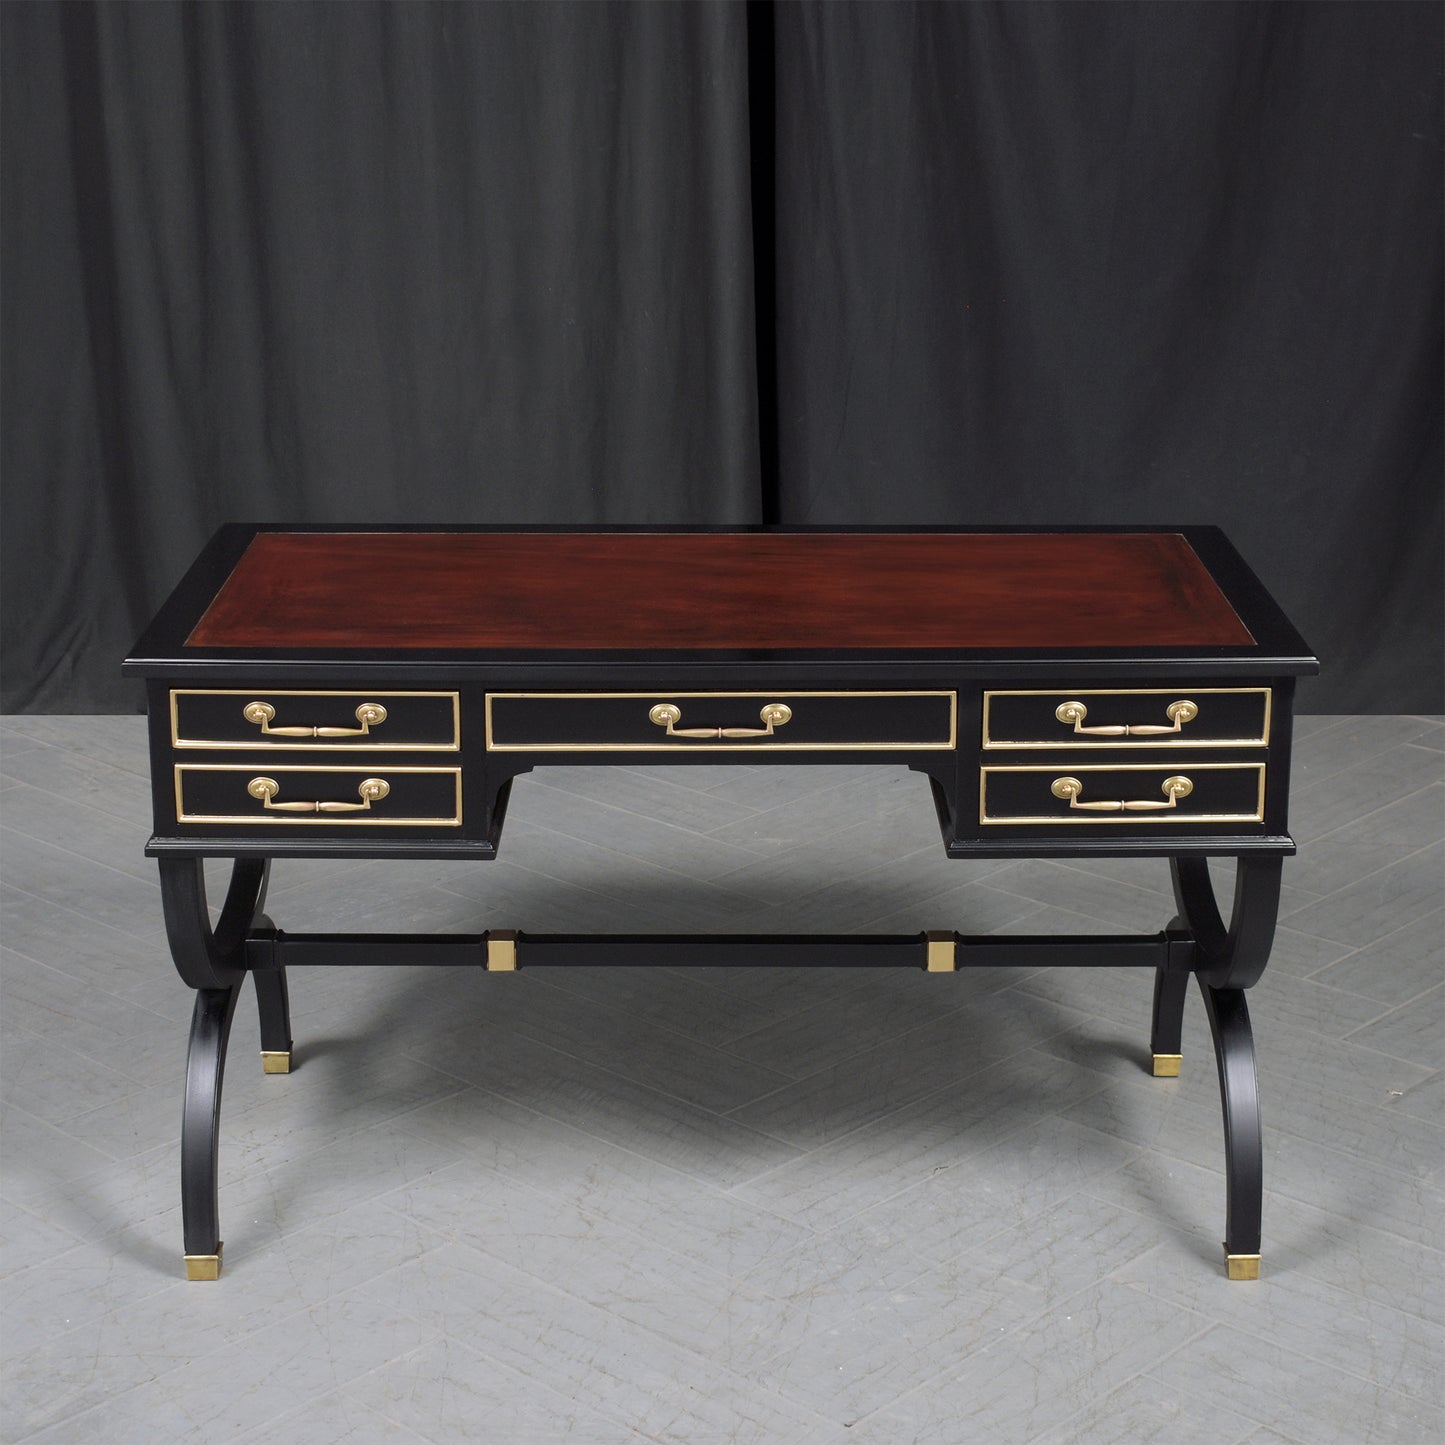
668,715
1178,714
369,715
370,790
1173,789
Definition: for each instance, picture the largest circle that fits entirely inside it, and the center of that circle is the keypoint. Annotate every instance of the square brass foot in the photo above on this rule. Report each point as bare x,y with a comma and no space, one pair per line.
1166,1066
204,1266
275,1061
1241,1266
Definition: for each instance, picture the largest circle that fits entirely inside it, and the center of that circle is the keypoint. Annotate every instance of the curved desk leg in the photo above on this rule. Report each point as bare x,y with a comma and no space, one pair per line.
273,1003
1230,960
1243,1144
1232,957
200,1129
212,961
207,957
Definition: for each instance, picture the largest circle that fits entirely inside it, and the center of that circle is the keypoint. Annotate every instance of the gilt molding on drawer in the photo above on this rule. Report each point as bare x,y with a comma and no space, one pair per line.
410,722
732,721
1180,716
409,797
1091,794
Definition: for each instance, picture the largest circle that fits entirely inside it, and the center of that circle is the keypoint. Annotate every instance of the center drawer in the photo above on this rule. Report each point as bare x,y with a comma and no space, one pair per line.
720,721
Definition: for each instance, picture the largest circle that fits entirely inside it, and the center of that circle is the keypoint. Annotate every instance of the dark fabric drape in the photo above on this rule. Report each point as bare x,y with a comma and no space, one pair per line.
845,263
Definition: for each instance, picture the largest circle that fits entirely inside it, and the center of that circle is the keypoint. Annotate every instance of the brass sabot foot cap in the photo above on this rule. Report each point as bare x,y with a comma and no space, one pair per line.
1166,1066
1241,1266
275,1061
204,1266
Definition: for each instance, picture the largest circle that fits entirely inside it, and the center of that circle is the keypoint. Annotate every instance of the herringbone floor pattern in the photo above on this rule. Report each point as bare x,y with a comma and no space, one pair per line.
712,1206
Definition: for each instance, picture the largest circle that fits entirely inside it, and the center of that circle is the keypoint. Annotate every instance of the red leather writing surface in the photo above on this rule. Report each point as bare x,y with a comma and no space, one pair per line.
729,591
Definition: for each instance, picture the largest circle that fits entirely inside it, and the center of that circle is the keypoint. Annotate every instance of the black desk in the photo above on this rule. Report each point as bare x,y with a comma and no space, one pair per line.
373,692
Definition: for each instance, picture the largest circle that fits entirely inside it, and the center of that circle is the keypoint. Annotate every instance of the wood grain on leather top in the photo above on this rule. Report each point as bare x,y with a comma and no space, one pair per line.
728,591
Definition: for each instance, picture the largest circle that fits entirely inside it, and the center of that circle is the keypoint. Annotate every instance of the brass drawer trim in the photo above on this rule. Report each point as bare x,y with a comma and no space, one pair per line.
1170,816
311,744
769,746
367,819
1182,739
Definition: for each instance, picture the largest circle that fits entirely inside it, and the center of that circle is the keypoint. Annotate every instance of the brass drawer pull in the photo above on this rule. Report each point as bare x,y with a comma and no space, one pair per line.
369,715
668,715
370,790
1178,714
1173,789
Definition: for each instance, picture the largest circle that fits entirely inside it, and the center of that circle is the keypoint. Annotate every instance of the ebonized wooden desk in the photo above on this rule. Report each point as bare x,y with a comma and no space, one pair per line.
373,692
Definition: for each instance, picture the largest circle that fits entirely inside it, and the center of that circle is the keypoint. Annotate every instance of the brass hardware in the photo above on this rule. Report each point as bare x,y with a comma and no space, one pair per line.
1173,789
861,746
1142,694
203,1266
1241,1266
277,817
668,715
370,790
942,953
369,715
501,950
275,1061
1178,714
1166,1066
1083,817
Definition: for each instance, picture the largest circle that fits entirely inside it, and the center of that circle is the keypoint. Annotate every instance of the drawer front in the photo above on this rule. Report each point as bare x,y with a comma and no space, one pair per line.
357,721
1133,794
1178,716
302,795
720,721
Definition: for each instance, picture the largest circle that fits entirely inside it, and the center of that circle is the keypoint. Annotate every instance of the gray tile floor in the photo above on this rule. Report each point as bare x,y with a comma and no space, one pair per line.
723,1205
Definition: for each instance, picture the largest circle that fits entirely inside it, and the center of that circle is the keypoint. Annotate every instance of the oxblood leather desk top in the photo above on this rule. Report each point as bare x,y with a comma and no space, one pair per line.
719,590
419,598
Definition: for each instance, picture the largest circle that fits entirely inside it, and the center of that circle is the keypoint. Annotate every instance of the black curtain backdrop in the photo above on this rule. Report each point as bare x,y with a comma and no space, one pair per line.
728,263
